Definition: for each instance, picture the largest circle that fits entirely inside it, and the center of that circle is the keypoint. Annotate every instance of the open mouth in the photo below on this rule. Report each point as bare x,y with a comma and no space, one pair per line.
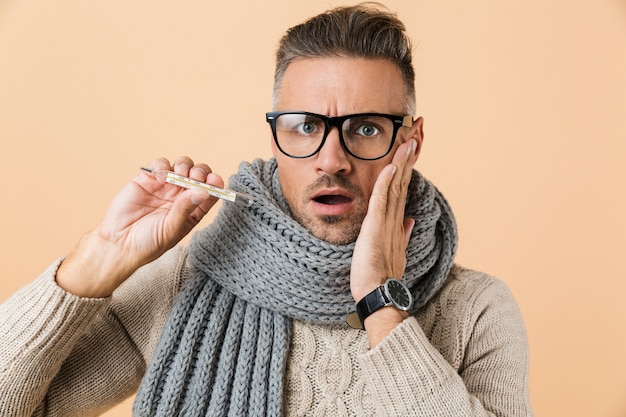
332,199
332,204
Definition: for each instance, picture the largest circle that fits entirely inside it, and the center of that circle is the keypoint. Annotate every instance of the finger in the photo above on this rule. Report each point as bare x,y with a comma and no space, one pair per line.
380,194
160,164
215,180
201,197
149,181
199,172
405,178
188,210
403,159
182,165
409,223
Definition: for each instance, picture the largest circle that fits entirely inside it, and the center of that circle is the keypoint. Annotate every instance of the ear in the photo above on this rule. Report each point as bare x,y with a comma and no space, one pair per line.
417,133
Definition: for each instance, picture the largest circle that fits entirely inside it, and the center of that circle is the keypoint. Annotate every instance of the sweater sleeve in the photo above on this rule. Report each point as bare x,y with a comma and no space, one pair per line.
472,360
63,355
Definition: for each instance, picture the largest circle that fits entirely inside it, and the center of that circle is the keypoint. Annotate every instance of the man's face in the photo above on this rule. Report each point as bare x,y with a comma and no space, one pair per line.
328,193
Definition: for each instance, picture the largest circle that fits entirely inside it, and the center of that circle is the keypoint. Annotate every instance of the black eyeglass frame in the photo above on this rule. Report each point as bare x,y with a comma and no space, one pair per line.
337,121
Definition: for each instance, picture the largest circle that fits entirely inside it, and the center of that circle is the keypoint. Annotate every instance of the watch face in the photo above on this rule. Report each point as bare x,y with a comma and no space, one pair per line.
399,294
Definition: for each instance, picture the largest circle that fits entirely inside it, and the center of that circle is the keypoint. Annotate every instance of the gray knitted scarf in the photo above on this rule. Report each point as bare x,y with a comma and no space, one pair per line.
224,348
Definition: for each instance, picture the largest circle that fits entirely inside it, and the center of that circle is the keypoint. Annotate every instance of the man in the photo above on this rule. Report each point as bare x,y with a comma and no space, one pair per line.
250,319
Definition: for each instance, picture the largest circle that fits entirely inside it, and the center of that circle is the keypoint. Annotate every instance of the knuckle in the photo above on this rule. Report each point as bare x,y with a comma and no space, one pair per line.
396,189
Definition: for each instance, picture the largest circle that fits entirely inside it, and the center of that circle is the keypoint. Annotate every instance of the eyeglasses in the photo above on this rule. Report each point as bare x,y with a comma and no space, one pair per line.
367,136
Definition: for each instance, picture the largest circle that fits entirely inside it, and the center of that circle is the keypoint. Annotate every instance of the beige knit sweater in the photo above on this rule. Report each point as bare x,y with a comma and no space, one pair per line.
465,354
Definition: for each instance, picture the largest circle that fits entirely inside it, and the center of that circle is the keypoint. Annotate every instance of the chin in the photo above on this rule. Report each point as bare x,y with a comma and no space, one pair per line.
335,230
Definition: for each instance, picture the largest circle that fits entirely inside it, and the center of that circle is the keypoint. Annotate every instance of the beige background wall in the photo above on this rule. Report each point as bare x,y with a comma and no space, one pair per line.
524,102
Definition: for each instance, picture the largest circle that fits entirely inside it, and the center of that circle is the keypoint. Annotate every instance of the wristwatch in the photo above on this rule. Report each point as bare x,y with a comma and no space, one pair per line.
392,292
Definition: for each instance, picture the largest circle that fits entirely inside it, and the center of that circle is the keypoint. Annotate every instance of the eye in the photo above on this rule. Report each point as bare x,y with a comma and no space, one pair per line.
367,130
306,128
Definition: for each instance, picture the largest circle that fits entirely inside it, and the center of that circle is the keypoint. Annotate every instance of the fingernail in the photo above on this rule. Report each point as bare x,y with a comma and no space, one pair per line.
411,148
197,169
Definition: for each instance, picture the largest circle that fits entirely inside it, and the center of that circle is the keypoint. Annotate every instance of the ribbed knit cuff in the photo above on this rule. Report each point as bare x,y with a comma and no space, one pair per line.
405,369
40,325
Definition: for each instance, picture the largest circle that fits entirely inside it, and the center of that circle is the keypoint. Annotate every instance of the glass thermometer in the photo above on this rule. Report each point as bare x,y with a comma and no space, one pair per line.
241,199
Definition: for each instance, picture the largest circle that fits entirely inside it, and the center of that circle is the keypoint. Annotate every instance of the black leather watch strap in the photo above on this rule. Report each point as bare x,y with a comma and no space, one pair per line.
371,302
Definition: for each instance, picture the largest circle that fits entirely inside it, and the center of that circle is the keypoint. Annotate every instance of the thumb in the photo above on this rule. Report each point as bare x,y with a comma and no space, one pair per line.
190,207
409,223
197,197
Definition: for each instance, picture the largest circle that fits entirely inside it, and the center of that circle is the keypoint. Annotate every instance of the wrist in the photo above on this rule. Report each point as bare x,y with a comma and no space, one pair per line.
381,323
360,293
393,292
94,268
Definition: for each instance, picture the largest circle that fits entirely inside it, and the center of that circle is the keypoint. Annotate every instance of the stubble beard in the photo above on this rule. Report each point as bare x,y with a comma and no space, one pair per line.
338,230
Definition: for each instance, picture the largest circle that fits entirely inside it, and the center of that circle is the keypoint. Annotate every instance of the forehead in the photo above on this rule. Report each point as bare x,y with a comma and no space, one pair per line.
337,86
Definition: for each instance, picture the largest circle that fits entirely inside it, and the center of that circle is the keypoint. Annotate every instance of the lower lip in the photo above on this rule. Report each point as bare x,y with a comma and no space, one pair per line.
331,209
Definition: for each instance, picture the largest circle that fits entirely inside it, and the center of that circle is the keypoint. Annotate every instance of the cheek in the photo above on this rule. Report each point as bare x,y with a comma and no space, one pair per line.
289,183
370,179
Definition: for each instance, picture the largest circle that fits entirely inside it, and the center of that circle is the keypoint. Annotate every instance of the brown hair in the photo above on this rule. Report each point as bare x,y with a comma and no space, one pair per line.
366,30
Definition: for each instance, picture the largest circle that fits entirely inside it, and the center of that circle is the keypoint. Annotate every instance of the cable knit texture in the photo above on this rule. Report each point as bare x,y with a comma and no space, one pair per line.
464,354
224,348
333,373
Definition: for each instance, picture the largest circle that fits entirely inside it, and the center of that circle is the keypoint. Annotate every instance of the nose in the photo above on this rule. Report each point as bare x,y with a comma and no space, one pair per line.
332,159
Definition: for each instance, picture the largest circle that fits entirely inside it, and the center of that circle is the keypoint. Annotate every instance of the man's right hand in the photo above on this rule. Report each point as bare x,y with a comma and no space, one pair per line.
147,218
